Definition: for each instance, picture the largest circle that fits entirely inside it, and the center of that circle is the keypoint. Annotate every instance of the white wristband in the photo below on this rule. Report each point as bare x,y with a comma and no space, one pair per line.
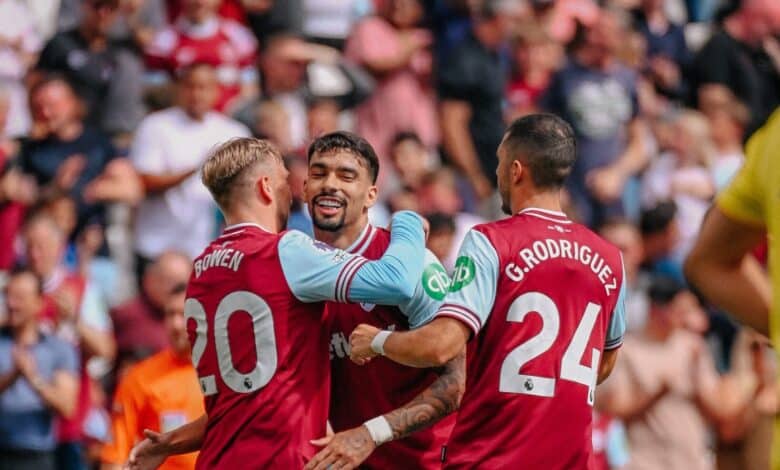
379,429
378,343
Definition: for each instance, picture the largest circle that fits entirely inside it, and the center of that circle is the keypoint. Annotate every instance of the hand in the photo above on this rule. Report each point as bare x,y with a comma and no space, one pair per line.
66,301
149,453
360,344
24,363
89,241
345,450
118,182
666,71
606,183
70,170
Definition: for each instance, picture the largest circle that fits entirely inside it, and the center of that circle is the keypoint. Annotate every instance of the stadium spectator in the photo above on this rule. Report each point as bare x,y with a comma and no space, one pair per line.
160,394
667,51
397,53
139,328
74,311
438,192
666,388
19,47
322,117
682,174
106,74
38,379
471,84
598,96
628,239
737,57
167,152
200,35
412,161
660,231
330,22
65,155
535,58
441,236
272,123
300,218
728,119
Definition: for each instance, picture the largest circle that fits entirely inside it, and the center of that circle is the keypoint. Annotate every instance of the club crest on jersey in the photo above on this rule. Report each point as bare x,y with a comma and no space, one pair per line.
463,274
435,281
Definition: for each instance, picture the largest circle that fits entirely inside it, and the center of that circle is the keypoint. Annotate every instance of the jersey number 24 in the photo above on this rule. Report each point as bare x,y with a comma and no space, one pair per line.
513,382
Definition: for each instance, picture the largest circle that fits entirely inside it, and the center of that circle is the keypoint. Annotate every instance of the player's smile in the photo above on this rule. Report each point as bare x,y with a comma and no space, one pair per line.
329,206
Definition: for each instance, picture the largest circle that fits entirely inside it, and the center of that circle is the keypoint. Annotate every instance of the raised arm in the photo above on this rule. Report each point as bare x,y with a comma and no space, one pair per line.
348,449
317,272
464,311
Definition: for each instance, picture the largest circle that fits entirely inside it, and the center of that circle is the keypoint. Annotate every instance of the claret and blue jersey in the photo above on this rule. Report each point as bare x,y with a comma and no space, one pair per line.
255,320
543,297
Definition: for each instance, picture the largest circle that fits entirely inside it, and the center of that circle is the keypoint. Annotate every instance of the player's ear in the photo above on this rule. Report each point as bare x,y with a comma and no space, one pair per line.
264,189
373,193
517,171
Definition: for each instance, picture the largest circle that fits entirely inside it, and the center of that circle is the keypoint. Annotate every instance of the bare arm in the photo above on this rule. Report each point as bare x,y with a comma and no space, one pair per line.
352,447
8,379
161,183
152,451
60,395
432,345
719,260
96,342
608,360
456,138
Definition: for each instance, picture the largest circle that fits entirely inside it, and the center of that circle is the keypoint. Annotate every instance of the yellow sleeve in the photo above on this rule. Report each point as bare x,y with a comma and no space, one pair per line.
124,421
745,197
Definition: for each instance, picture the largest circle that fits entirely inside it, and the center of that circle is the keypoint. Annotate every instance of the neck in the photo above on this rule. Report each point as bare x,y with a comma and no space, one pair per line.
69,131
345,237
266,218
486,35
95,40
26,334
549,200
193,115
656,331
592,59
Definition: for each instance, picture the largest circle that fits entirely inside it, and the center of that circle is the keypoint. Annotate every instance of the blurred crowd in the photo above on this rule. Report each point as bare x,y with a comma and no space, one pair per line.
108,108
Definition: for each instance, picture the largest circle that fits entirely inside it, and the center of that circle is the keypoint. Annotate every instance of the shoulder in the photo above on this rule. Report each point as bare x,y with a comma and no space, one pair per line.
228,125
163,117
236,31
148,369
56,345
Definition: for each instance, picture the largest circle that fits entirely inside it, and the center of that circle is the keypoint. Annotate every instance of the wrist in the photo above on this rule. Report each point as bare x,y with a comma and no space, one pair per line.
37,382
378,343
379,429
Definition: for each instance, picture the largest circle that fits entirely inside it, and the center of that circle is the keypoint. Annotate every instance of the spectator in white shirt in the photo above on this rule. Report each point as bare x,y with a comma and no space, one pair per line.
168,150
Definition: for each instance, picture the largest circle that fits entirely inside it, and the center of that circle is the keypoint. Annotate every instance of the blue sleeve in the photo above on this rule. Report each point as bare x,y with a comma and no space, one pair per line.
617,445
617,323
474,280
429,293
316,272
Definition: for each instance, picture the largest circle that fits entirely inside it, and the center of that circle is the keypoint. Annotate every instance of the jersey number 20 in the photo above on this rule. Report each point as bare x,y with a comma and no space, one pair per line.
571,369
265,341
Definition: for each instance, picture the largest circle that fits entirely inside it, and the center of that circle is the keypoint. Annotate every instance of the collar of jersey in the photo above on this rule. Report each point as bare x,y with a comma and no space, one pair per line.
362,242
238,228
545,214
206,29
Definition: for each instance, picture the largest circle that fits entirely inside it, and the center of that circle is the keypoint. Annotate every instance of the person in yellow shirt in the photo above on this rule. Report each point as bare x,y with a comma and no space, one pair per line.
747,212
159,394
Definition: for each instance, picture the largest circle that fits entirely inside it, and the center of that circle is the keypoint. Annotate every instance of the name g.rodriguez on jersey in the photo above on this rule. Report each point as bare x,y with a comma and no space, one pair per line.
550,249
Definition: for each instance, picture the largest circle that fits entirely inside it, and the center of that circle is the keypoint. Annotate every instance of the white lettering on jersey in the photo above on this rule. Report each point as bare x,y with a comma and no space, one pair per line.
549,249
225,258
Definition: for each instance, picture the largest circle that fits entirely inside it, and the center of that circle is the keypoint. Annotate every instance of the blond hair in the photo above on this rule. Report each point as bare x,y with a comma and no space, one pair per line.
228,163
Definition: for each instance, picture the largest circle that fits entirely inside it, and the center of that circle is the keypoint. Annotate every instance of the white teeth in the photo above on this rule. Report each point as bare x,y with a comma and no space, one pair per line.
328,203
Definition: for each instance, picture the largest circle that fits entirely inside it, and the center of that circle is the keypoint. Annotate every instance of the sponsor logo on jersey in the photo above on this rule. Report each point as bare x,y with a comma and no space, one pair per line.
463,274
435,281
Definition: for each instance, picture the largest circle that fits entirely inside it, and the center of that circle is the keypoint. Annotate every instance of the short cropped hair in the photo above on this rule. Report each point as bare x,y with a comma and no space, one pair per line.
349,142
544,143
229,162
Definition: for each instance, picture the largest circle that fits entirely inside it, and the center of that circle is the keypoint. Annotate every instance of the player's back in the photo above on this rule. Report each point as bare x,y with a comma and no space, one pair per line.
360,393
259,353
532,369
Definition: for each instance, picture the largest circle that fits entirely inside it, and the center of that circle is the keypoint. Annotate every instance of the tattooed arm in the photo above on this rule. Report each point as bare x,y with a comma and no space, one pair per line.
348,449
